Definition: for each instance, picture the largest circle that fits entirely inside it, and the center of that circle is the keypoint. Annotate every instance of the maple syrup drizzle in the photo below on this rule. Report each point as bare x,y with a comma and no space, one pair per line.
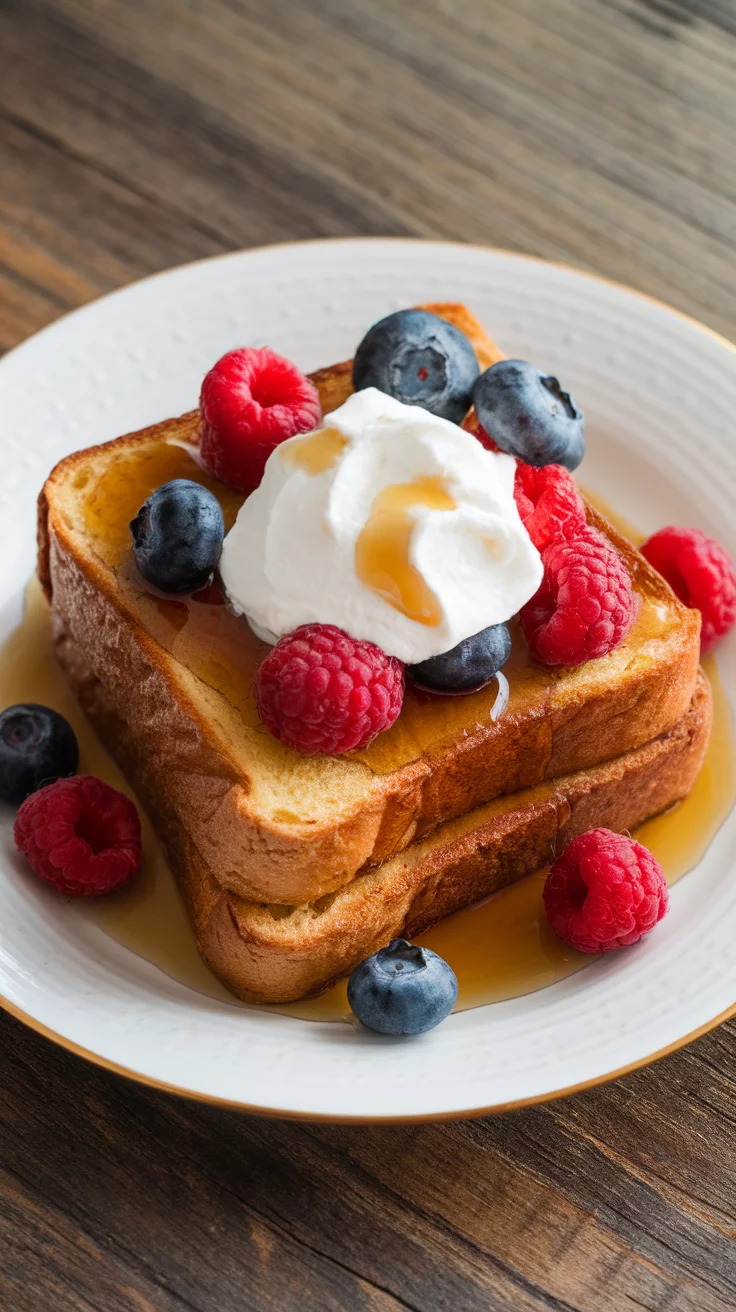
501,949
149,916
315,453
624,526
504,948
383,550
219,647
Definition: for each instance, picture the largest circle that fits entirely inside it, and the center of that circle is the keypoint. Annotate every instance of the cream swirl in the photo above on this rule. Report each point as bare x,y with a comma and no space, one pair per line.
387,521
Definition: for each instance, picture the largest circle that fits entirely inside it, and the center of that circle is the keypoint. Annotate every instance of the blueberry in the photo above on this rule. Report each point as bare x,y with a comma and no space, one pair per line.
402,989
37,745
419,359
467,667
527,414
177,536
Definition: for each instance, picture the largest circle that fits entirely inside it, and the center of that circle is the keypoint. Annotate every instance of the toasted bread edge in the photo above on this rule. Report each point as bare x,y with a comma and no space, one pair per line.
266,953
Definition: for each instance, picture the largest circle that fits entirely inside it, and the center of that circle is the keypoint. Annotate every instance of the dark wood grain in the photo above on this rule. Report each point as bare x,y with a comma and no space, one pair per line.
121,1199
137,134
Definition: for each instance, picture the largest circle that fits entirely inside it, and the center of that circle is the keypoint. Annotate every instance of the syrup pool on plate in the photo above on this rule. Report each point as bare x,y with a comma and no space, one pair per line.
502,949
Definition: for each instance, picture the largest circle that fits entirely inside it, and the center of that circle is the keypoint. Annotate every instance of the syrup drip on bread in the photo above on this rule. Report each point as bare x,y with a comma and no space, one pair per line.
500,950
383,550
221,650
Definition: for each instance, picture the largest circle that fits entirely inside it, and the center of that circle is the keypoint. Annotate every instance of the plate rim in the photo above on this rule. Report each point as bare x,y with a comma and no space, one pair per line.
344,1118
269,1111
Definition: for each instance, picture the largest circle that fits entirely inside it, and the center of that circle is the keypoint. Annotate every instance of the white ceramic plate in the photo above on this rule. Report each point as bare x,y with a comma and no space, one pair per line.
659,394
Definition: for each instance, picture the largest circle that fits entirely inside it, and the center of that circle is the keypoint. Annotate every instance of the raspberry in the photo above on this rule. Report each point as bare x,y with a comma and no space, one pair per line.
319,690
547,499
549,504
473,425
80,836
585,605
605,892
701,574
250,402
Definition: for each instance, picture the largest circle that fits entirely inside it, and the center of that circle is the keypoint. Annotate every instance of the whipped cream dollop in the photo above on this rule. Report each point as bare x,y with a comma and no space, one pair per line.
387,521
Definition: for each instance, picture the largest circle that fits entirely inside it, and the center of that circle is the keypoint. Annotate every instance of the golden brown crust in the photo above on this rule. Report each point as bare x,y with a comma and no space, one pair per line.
275,954
462,863
576,719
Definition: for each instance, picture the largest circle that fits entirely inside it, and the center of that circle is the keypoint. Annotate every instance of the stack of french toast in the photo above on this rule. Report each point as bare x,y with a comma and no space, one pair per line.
295,867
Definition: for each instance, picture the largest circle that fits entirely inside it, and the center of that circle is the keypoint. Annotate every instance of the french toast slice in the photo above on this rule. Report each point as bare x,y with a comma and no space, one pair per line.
271,825
268,952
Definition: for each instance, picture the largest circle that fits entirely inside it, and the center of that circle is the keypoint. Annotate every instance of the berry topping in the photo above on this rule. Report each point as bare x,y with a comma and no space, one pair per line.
177,536
402,989
419,359
605,892
37,745
701,574
528,415
319,690
549,504
468,666
585,605
80,836
250,402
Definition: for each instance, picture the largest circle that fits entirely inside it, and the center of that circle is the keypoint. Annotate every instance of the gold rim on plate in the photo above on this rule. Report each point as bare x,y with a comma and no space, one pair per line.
278,1113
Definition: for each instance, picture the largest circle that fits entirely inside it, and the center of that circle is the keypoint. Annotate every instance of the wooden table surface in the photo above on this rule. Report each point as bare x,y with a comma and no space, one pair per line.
138,134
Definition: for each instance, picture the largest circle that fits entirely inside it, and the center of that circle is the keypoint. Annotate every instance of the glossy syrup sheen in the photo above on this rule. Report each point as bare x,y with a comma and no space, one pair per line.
221,650
315,453
502,949
383,550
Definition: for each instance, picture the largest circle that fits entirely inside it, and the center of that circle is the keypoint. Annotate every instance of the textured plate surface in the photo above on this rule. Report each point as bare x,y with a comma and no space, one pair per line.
659,394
